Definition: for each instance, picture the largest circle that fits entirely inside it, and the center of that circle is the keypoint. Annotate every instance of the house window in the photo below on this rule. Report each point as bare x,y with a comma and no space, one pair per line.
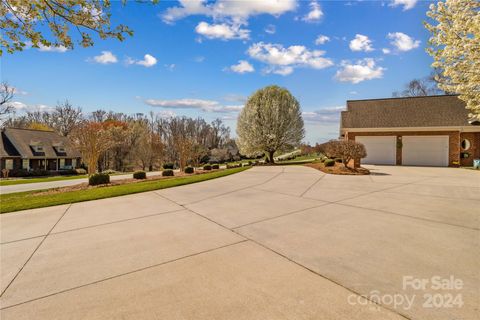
25,164
465,144
62,163
74,163
9,164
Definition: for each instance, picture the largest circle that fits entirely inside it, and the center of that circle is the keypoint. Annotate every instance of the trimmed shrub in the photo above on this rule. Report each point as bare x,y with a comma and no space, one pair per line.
168,166
98,178
207,167
189,170
81,171
139,175
215,166
167,173
329,163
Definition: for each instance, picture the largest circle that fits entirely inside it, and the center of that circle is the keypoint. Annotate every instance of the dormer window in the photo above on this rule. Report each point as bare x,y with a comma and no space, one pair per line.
60,149
37,148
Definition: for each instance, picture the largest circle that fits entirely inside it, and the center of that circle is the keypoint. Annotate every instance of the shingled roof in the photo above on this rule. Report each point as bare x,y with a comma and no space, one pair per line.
19,142
428,111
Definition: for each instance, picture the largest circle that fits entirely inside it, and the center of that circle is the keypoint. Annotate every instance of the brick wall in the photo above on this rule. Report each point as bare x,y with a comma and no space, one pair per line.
454,141
474,151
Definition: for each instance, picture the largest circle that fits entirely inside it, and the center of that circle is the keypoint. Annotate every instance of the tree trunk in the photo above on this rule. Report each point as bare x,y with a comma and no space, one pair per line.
270,156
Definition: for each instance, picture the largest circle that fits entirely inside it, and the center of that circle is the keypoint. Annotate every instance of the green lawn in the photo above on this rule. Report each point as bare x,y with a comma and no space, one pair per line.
28,200
301,159
35,180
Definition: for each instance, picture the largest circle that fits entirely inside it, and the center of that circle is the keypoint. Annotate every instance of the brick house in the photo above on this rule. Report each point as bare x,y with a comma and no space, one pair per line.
35,149
418,131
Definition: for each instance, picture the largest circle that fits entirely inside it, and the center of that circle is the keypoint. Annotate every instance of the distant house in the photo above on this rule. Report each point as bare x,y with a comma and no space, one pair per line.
35,149
417,131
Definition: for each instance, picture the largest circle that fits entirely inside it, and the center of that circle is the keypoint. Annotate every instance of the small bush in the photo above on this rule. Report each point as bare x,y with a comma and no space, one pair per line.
81,171
67,172
139,175
98,178
167,173
168,166
189,170
338,160
215,166
329,163
246,164
207,167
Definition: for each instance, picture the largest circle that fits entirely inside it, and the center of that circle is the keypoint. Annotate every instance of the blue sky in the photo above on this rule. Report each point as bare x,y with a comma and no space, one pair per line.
200,58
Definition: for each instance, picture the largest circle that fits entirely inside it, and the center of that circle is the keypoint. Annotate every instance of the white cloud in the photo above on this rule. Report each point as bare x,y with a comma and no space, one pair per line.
199,59
329,114
222,31
20,106
362,70
148,61
170,67
105,58
232,97
283,71
204,105
242,66
315,13
361,43
386,50
167,114
407,4
321,39
402,41
270,29
283,60
44,48
234,10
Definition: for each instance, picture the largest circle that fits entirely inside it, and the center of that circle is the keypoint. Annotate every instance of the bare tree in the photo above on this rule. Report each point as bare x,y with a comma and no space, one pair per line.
420,87
6,95
91,139
65,117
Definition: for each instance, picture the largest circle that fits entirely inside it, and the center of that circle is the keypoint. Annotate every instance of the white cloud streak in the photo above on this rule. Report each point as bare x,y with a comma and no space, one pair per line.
407,4
361,43
281,60
222,31
362,70
199,104
242,66
403,42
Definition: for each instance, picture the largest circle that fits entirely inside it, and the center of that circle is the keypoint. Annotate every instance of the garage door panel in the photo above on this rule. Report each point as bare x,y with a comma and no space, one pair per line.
425,151
380,149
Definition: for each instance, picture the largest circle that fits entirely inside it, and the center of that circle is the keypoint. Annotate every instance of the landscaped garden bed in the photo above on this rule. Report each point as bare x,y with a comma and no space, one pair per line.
338,168
84,192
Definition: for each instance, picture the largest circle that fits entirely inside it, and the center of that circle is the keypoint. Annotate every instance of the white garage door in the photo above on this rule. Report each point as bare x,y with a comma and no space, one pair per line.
425,151
380,150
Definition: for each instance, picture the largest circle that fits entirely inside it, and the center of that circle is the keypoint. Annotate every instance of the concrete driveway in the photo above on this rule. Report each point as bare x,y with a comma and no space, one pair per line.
268,243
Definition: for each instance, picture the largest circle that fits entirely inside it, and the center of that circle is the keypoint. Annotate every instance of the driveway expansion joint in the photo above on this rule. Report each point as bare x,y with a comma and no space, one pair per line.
35,250
124,274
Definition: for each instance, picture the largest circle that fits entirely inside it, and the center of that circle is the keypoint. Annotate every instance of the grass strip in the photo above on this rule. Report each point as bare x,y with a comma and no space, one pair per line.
28,200
35,180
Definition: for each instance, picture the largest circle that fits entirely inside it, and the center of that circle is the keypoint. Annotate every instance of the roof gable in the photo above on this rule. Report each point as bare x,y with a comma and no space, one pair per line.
427,111
39,144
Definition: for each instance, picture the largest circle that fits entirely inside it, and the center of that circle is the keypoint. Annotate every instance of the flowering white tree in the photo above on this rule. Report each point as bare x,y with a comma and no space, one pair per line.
455,48
271,120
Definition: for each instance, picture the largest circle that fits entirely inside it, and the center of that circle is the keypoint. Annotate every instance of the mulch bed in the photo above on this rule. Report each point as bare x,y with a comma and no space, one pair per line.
339,168
86,186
